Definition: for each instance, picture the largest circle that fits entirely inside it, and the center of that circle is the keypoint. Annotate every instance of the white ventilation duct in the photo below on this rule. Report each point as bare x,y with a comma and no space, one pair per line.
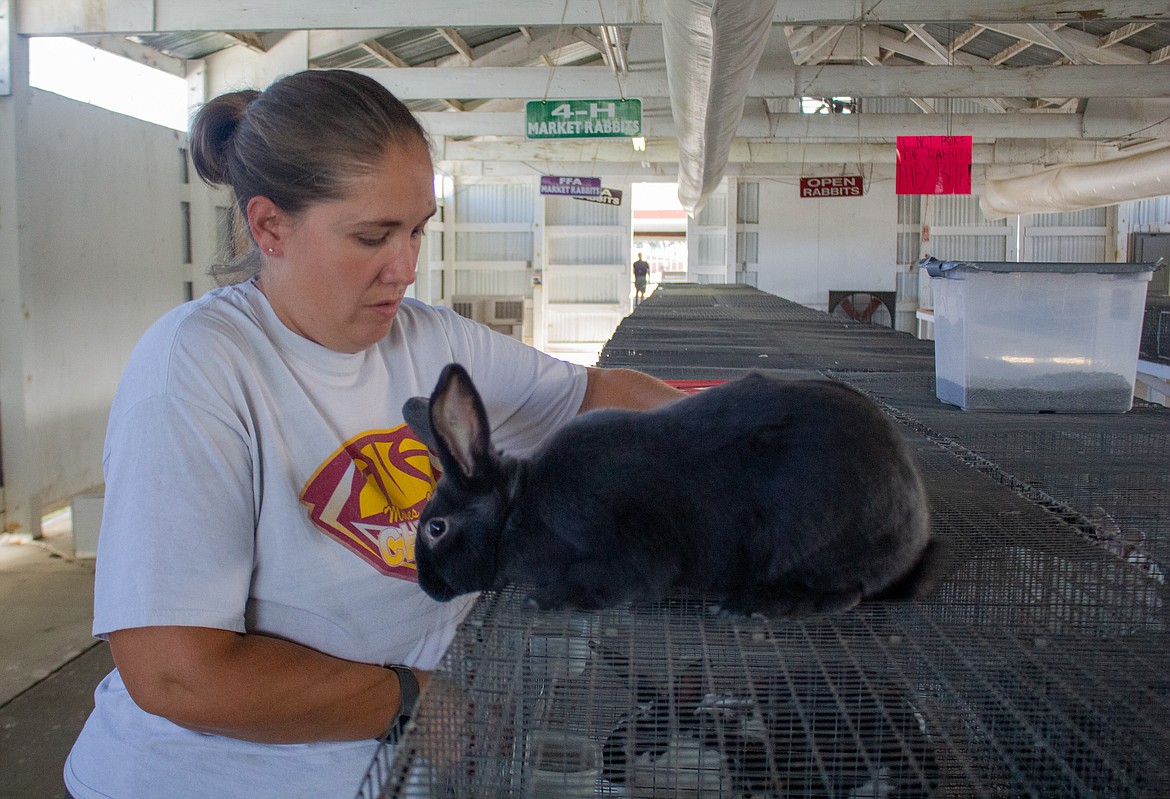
712,50
1079,186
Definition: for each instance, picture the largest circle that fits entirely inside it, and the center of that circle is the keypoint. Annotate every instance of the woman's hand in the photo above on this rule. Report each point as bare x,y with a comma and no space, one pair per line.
253,687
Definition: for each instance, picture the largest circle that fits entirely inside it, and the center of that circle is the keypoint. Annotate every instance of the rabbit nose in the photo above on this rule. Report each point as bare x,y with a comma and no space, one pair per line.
434,529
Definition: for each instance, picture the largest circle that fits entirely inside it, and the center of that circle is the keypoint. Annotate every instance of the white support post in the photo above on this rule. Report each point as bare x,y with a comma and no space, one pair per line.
6,29
21,464
730,261
539,246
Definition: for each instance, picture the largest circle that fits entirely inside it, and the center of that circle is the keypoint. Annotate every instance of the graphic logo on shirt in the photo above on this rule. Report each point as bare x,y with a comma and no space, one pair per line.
368,496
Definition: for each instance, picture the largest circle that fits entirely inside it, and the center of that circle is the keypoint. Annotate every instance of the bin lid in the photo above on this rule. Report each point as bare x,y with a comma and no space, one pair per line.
936,268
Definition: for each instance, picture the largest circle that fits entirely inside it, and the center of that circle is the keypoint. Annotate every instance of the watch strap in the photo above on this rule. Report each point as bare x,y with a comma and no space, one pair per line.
408,690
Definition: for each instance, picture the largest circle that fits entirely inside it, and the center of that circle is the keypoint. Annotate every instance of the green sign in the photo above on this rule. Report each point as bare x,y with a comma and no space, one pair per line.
583,119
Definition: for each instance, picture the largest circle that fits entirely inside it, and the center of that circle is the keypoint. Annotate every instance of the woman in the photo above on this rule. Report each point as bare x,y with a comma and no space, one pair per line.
255,577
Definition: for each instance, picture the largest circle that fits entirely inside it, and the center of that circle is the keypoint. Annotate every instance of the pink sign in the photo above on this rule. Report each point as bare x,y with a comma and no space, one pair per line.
933,165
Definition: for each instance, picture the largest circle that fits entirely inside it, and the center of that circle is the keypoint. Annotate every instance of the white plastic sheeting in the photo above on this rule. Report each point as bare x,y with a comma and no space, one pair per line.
712,50
1079,186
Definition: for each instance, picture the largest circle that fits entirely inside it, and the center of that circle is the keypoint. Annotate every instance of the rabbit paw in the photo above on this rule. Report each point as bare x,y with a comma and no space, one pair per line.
566,596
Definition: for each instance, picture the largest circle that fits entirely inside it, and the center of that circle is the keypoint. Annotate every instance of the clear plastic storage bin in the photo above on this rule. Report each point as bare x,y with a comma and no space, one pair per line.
1037,337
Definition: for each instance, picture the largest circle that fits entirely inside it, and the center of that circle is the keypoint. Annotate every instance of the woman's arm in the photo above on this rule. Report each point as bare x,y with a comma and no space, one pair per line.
253,687
626,388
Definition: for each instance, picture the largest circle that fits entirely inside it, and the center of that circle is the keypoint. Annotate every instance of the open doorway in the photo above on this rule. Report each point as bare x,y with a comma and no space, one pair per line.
659,233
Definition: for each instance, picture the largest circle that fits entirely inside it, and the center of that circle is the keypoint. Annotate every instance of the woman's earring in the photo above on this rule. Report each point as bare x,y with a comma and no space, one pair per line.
271,250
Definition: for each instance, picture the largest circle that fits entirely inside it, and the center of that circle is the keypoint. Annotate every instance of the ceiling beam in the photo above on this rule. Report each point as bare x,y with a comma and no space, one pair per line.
1009,52
146,16
1150,118
248,39
1123,33
1086,43
324,43
384,54
1054,41
810,53
1011,152
769,81
457,41
121,46
942,54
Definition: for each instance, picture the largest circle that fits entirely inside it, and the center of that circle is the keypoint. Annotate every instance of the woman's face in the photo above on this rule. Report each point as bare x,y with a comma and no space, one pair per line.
340,268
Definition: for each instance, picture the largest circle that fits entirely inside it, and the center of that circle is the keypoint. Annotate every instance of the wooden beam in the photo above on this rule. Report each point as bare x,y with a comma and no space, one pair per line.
757,124
1009,52
247,39
590,38
383,54
934,45
49,17
458,42
1018,152
831,80
965,38
808,54
325,43
121,46
1051,39
1123,33
1085,43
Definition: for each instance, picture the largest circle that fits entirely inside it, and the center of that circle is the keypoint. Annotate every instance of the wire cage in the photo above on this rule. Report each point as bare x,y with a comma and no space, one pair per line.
1038,668
883,702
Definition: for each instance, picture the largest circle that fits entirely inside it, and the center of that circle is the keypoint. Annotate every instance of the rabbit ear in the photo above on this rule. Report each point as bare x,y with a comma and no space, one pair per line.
417,413
460,427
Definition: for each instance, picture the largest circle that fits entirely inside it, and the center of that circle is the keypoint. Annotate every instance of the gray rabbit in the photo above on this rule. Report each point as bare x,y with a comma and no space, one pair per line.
780,497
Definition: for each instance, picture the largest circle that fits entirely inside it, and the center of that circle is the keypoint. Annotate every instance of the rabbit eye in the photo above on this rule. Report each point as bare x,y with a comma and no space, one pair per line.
436,527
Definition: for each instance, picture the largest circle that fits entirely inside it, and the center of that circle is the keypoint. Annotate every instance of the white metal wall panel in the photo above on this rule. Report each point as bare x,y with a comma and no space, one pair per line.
707,237
747,207
747,247
959,209
1065,248
483,279
581,325
1149,216
571,249
712,248
969,248
588,284
569,211
909,228
495,203
489,245
957,229
493,246
1069,237
1090,217
714,213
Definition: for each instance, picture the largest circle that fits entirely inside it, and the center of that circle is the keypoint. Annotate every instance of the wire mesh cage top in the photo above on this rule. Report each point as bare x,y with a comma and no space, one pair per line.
1038,668
883,701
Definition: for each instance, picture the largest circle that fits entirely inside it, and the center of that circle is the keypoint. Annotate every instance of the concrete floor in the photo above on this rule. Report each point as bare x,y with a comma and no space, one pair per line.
49,662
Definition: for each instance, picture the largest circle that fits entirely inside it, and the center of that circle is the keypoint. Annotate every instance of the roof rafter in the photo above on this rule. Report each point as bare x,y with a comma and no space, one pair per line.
149,16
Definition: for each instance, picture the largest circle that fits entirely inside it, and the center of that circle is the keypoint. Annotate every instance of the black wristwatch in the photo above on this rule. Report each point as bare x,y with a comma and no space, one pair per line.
408,689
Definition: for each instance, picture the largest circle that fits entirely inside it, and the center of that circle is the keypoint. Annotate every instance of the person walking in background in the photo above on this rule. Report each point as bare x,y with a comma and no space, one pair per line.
641,270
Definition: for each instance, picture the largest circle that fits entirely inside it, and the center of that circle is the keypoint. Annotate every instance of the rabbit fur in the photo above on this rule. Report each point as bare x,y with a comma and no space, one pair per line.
779,497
